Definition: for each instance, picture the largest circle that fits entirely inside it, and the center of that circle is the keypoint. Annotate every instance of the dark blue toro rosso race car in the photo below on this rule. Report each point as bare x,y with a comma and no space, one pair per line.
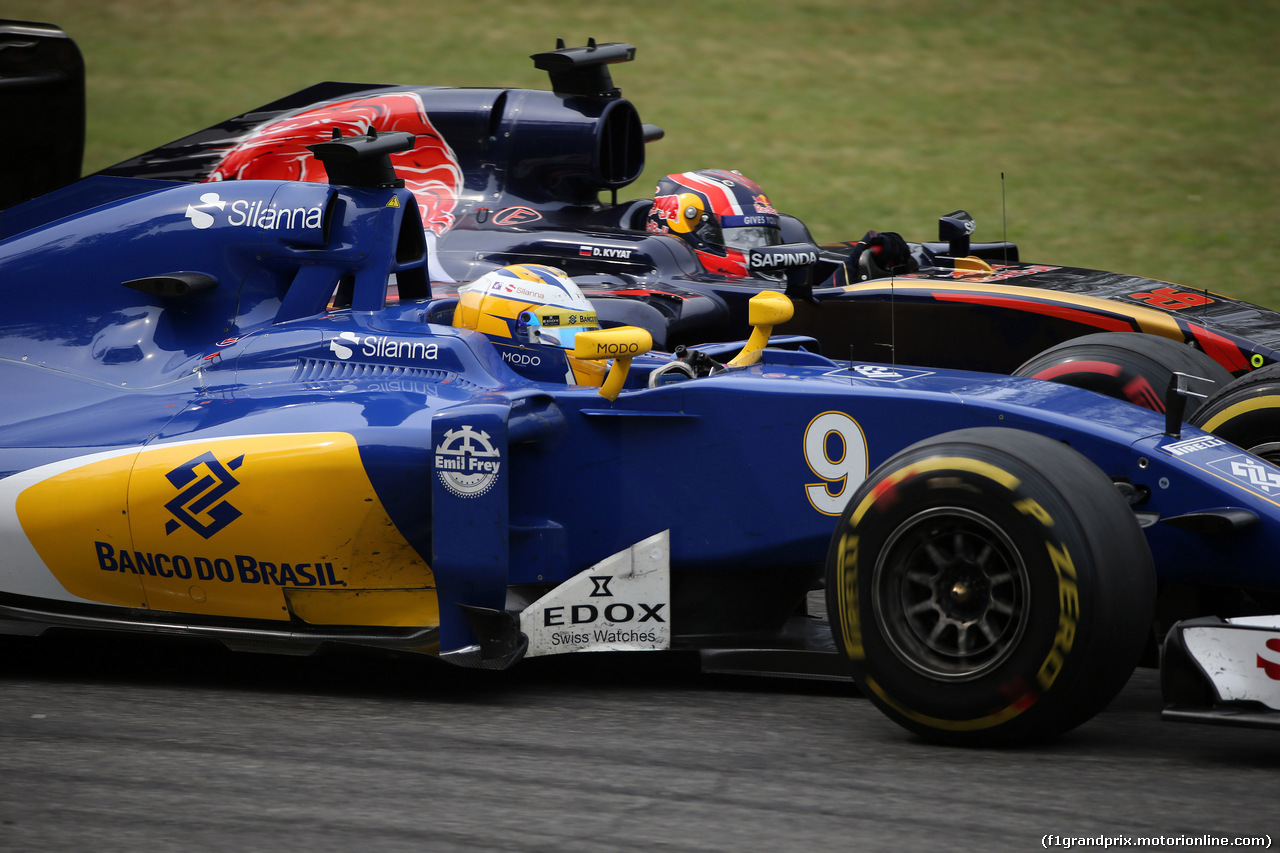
244,411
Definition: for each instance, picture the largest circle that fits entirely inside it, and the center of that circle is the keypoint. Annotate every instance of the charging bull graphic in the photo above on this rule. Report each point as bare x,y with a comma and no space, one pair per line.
278,150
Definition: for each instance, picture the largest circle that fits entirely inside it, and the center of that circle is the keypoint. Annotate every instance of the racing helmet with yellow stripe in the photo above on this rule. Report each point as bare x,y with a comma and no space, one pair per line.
532,313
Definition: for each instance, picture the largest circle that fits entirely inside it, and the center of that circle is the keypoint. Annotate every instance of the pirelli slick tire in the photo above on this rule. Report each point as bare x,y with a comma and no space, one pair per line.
989,586
1246,413
1127,365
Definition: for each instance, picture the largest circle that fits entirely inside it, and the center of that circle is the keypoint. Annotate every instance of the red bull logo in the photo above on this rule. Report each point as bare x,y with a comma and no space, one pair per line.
278,150
667,207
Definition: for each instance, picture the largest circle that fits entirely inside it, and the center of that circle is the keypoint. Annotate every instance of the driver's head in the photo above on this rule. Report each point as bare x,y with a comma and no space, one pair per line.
533,313
720,213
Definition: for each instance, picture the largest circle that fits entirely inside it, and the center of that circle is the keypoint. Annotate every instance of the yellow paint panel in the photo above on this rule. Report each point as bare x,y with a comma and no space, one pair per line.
403,608
63,517
223,527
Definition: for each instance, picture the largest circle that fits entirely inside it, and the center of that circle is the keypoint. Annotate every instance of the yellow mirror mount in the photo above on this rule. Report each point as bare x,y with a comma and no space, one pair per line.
620,344
765,310
973,263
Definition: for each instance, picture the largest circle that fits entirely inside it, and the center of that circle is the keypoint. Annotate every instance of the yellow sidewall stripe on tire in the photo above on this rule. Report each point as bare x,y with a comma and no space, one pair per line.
976,724
951,463
847,597
1241,408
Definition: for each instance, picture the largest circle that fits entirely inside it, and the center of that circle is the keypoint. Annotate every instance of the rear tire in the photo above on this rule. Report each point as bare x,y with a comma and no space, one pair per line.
989,586
1126,365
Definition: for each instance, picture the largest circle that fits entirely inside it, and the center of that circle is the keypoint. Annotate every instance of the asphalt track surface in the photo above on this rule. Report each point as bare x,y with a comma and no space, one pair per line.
140,744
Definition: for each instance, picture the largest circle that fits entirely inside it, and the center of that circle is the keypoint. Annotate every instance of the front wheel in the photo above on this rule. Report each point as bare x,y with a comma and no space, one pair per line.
1246,412
989,586
1126,365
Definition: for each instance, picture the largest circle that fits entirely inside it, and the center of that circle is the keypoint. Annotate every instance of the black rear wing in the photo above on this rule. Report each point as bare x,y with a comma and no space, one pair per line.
42,94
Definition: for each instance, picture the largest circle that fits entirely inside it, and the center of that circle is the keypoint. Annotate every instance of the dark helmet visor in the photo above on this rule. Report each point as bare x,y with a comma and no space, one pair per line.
751,230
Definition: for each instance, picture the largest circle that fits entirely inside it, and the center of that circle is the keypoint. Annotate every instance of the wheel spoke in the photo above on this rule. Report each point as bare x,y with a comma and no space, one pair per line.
937,557
921,578
921,607
984,555
1000,607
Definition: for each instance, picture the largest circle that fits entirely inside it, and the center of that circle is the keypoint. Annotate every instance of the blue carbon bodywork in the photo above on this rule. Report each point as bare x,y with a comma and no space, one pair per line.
319,321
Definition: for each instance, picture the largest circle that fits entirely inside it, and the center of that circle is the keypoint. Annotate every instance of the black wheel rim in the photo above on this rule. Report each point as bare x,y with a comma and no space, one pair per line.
949,592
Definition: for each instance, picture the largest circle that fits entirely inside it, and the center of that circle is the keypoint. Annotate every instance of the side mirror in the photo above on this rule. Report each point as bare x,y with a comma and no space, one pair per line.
620,344
765,310
955,229
782,258
797,261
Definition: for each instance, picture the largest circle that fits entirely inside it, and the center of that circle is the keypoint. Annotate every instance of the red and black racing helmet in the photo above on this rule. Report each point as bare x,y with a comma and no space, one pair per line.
718,212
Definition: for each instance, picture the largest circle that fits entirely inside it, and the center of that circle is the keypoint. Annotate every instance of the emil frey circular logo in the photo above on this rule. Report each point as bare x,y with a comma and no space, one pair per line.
466,462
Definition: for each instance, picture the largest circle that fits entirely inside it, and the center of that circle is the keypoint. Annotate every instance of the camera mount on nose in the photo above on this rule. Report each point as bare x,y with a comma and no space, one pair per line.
363,161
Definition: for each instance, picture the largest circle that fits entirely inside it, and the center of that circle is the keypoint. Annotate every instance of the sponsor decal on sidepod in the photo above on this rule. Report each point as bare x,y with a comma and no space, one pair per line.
219,526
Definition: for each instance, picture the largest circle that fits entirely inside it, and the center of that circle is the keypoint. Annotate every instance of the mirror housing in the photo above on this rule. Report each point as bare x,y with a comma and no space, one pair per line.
765,310
955,229
621,344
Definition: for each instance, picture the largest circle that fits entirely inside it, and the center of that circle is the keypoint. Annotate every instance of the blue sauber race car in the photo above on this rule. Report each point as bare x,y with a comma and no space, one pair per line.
243,411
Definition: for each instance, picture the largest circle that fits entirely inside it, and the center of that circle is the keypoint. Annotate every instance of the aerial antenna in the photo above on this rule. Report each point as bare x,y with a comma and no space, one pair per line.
1004,220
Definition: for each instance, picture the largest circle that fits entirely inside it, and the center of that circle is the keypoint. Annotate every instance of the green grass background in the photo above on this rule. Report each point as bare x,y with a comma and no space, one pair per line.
1141,136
